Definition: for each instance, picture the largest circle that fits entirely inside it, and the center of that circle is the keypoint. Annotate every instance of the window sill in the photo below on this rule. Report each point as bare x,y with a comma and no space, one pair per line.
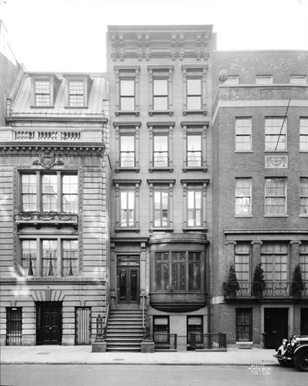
303,215
160,169
42,107
76,107
154,112
243,151
276,215
127,229
303,151
161,229
194,169
276,151
127,112
243,215
203,112
122,169
195,229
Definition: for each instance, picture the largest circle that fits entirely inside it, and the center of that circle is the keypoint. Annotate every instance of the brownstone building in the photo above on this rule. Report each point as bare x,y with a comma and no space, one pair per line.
260,184
160,153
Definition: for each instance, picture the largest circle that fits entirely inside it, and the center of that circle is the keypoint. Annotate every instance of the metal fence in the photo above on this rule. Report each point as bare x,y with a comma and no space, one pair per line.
208,341
165,341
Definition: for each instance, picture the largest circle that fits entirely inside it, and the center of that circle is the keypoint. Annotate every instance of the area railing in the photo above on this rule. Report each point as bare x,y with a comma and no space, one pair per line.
165,341
208,341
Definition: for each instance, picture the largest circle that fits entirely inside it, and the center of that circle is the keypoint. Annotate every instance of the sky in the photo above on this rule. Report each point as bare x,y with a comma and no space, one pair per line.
69,35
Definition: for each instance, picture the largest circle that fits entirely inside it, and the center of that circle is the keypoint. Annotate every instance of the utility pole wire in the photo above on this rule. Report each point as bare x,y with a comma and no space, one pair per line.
284,119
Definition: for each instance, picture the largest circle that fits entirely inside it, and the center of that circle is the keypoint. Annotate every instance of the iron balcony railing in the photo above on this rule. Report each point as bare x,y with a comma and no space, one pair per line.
165,341
273,289
199,341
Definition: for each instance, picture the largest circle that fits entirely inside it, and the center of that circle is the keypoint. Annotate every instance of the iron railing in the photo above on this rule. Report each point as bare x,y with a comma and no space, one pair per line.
165,341
208,341
279,289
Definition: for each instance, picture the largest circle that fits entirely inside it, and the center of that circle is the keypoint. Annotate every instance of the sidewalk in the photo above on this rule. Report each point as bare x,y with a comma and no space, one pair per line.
83,355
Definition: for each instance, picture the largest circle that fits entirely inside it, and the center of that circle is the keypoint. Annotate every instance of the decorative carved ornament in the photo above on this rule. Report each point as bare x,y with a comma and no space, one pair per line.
277,162
48,159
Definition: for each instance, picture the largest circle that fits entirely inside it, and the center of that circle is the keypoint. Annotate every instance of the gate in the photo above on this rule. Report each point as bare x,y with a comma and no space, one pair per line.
83,325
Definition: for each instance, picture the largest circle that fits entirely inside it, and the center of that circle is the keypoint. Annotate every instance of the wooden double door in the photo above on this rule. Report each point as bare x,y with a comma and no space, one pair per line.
49,323
128,284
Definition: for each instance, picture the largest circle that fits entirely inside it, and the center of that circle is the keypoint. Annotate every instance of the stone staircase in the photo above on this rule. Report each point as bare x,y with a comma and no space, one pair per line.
124,330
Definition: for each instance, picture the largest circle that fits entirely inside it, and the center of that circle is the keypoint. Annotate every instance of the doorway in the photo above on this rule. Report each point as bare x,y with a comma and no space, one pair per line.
49,323
275,326
128,279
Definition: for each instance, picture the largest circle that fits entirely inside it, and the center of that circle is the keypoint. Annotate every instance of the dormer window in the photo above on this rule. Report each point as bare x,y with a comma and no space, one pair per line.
78,89
76,93
42,93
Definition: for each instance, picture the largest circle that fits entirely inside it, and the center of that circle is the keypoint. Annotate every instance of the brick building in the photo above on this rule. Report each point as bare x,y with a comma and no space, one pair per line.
260,189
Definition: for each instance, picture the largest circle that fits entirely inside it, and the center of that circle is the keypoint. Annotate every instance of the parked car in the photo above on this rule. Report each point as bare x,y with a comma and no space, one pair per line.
294,352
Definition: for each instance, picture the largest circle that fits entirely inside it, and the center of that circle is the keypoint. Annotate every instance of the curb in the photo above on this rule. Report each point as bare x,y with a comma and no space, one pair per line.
117,363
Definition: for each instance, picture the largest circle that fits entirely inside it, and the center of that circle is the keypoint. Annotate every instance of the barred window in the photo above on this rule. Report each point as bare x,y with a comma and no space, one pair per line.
243,324
13,326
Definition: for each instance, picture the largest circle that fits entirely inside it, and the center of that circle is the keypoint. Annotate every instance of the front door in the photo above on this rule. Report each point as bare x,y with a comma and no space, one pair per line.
275,326
49,323
128,284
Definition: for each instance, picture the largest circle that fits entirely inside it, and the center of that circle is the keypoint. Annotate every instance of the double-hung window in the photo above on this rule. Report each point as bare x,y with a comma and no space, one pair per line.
127,198
194,192
243,324
303,260
194,150
303,188
303,134
160,89
58,192
194,208
127,95
194,94
243,137
161,146
160,152
276,134
76,93
161,213
127,90
42,93
275,196
243,189
194,89
127,150
274,260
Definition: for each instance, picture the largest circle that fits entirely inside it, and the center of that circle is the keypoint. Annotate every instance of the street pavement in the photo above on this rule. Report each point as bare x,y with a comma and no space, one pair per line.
82,355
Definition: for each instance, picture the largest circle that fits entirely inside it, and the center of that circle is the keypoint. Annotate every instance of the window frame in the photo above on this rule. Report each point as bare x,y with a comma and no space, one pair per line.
123,73
302,78
13,334
161,73
161,186
283,127
232,80
86,88
270,257
195,186
161,129
267,196
200,129
249,313
303,259
193,328
129,129
303,134
194,72
39,205
239,135
127,186
41,266
264,79
247,197
303,196
76,93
